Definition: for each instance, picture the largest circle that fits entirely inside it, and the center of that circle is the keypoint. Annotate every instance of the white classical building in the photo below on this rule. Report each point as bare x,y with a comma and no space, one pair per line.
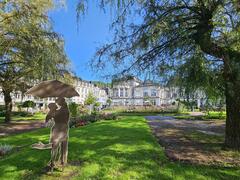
133,91
126,92
81,86
84,88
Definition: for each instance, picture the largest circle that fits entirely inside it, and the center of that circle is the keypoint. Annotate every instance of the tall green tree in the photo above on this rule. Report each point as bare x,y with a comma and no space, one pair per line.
170,31
29,49
90,100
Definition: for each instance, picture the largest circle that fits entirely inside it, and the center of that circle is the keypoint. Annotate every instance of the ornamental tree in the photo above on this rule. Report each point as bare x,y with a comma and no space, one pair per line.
167,33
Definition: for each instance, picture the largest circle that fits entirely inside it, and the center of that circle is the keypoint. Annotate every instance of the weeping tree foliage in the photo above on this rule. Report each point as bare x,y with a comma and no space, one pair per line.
197,74
166,33
29,49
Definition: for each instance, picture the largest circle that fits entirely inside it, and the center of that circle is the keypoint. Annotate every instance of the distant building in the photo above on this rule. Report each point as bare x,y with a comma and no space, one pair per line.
81,86
129,91
132,91
86,87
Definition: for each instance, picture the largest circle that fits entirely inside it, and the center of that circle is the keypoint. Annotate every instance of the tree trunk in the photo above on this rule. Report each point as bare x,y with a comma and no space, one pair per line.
8,105
232,93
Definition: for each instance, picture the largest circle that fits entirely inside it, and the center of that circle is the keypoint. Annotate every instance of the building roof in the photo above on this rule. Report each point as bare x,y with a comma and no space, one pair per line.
126,78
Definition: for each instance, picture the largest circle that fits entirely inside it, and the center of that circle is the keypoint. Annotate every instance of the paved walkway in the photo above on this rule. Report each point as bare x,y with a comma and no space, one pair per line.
16,127
182,141
207,127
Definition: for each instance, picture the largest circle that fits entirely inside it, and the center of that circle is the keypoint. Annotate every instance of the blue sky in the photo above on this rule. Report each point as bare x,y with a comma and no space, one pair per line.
81,38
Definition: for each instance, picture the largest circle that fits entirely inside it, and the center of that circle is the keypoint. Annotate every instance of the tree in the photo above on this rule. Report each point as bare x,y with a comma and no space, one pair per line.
97,106
28,104
29,49
90,101
168,33
74,109
109,102
197,80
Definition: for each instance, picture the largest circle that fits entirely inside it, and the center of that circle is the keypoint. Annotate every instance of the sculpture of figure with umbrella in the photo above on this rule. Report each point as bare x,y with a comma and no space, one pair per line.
59,132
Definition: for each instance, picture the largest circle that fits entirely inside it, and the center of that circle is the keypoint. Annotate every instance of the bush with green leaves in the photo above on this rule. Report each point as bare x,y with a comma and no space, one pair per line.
97,106
83,110
74,109
28,104
91,99
2,108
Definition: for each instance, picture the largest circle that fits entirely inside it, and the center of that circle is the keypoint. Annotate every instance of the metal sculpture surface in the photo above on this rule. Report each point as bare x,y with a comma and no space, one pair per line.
59,114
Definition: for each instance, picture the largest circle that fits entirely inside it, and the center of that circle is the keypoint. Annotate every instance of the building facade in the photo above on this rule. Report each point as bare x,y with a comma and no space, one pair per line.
82,87
134,92
126,92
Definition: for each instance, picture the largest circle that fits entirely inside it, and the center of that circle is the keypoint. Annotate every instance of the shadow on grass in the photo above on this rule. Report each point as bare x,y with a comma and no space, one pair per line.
122,149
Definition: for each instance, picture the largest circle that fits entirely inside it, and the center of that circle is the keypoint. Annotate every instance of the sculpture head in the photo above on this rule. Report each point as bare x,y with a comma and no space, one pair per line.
52,106
61,101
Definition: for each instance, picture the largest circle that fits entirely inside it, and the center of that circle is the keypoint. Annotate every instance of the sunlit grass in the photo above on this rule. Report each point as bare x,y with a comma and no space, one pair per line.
123,149
221,115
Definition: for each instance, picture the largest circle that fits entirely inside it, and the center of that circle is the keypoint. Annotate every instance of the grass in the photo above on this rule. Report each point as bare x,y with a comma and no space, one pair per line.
216,115
17,117
221,115
123,149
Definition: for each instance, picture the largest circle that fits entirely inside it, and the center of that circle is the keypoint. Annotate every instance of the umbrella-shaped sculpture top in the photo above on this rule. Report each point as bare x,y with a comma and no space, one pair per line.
53,88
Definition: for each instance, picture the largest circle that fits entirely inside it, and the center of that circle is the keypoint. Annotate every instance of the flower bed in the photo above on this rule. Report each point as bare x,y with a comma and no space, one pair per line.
86,119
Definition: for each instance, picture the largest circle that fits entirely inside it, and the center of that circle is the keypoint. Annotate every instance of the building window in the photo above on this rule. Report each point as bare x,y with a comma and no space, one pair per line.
153,92
133,93
168,94
153,102
121,92
175,95
115,92
145,93
126,92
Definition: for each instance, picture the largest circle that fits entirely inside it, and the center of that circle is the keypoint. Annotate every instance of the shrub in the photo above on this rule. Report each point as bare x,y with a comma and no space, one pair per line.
91,99
2,108
109,116
95,116
83,110
28,104
142,109
5,149
74,109
2,113
97,106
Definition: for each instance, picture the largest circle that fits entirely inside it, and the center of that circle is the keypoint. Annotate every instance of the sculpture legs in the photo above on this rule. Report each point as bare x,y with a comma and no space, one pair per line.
64,152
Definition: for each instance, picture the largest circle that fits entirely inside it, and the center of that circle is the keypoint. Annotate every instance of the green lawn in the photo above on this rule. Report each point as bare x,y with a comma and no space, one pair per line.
208,116
36,116
123,149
